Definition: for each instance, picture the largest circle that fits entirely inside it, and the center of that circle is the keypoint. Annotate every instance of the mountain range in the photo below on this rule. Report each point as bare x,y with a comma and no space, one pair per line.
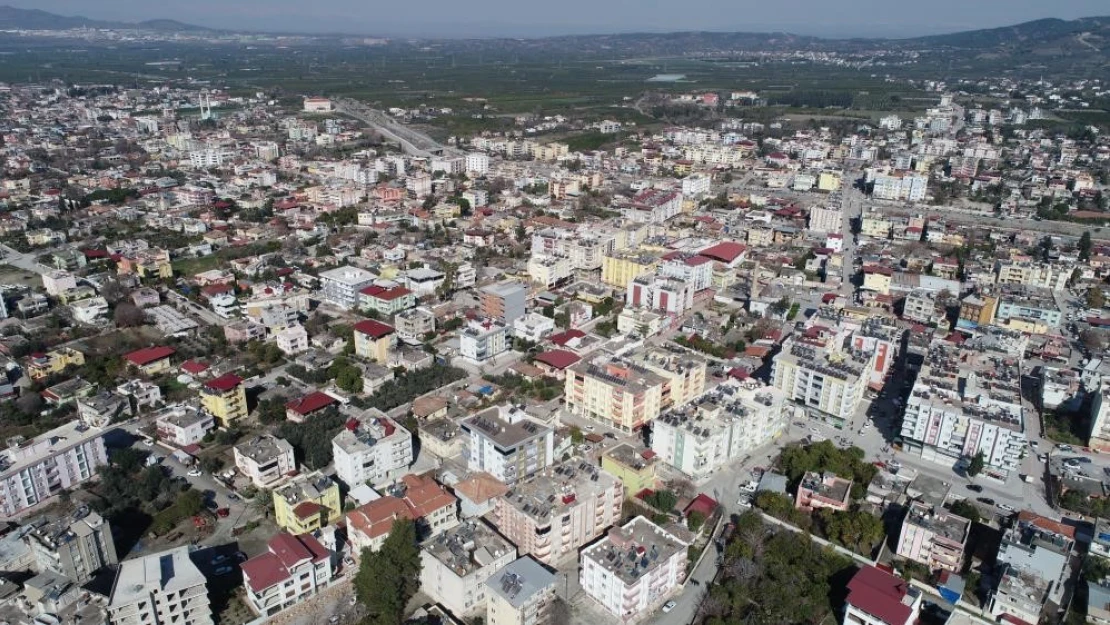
1084,38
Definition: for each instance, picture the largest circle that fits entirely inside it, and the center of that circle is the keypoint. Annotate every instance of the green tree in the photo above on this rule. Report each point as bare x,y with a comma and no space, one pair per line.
1095,297
975,467
966,509
389,577
1085,247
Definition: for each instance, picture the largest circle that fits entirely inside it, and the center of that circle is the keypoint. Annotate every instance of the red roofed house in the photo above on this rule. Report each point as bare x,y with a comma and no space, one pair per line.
151,360
554,362
727,252
876,597
374,339
292,569
387,301
225,398
424,500
299,410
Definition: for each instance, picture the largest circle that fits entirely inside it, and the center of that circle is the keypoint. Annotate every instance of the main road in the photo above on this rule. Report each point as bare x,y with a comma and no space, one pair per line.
412,141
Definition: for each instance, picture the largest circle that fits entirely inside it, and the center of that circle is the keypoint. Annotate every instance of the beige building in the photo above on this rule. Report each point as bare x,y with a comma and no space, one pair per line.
163,588
265,460
934,537
554,513
457,564
520,594
631,587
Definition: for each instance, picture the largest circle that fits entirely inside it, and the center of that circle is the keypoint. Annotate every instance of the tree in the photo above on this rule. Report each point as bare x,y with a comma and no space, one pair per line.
1085,247
975,467
1095,297
389,577
695,520
966,509
1091,339
128,315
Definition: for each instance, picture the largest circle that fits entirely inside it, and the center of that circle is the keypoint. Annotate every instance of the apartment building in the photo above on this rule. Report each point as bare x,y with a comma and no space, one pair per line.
826,219
875,597
372,451
585,251
41,365
614,391
719,427
293,569
482,340
666,296
823,490
504,301
225,398
921,305
900,186
636,469
634,570
265,460
183,425
374,340
411,325
549,270
976,311
966,400
933,536
34,470
340,286
823,371
654,206
164,588
551,514
619,268
520,594
1029,303
1052,276
1036,557
386,300
307,503
76,545
507,443
292,340
457,563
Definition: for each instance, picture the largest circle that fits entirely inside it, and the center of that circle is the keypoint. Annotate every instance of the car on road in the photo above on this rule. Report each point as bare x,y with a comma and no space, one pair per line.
1063,447
195,473
1081,459
975,488
668,606
986,500
1007,507
590,428
611,435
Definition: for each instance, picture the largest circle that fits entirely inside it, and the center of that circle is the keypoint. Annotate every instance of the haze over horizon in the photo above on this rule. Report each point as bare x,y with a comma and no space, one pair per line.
503,18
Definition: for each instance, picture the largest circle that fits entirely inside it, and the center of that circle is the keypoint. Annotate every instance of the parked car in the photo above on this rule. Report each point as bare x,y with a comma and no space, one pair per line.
1081,460
223,570
1007,507
668,606
218,560
986,500
975,488
1063,447
195,473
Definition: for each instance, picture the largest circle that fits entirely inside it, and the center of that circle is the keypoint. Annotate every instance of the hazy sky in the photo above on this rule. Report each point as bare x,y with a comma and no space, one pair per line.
467,18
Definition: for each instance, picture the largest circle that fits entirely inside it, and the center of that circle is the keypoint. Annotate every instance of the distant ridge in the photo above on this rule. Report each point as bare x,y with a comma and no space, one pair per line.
12,18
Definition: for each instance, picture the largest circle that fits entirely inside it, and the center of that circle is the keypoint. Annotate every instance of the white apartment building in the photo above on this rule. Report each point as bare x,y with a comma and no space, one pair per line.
721,426
265,460
584,251
457,563
694,269
634,569
163,588
826,219
482,340
340,286
411,325
292,340
507,443
666,296
824,373
533,327
182,426
696,186
1053,276
549,270
477,164
289,572
900,186
374,450
32,471
520,594
966,400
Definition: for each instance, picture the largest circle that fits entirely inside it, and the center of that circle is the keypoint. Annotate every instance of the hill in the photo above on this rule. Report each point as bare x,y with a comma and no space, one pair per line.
13,18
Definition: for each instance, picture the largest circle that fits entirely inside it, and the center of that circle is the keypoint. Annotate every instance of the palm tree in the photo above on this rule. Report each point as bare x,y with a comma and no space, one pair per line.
263,503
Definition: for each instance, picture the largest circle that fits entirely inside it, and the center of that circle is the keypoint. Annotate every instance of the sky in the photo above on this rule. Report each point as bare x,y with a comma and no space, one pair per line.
529,18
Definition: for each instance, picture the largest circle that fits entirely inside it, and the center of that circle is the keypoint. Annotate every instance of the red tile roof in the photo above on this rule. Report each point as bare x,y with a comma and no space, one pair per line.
285,551
880,594
725,251
311,403
702,503
264,571
373,328
194,367
307,509
148,355
558,358
565,337
224,383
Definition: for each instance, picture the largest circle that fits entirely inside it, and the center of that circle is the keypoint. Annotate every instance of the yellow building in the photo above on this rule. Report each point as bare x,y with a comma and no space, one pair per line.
225,398
875,226
760,236
636,469
40,366
684,375
620,268
877,279
307,503
152,263
151,360
829,181
373,340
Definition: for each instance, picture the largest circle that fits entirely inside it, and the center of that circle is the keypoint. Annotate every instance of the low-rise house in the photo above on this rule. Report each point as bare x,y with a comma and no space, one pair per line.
103,408
182,426
293,569
151,360
933,536
299,410
823,490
